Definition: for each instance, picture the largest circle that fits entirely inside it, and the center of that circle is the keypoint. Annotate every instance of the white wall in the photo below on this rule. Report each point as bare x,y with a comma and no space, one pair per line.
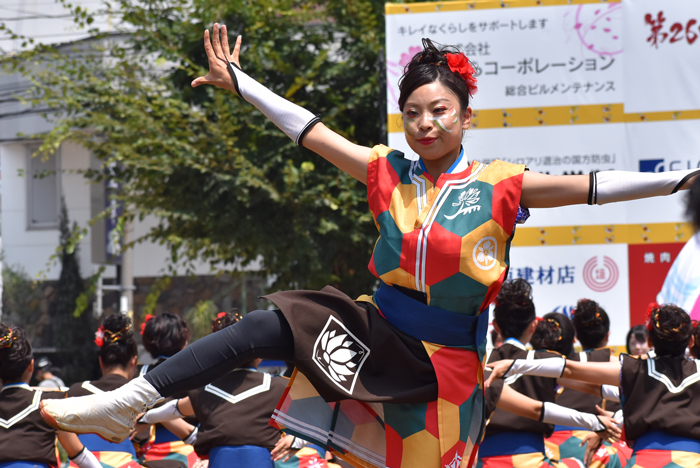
32,248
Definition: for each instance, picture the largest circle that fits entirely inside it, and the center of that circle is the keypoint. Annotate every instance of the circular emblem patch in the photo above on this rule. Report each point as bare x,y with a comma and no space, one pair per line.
485,253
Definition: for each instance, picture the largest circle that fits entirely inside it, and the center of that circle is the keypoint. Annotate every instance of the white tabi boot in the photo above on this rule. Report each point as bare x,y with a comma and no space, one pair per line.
110,415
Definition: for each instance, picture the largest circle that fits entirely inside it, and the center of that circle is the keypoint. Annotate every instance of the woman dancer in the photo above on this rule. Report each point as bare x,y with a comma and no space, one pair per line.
445,227
234,412
163,336
26,441
117,354
656,393
592,327
637,341
509,434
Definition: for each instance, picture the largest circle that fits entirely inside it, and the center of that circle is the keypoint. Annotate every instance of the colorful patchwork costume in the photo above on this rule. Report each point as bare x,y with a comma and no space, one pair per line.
109,454
395,380
660,396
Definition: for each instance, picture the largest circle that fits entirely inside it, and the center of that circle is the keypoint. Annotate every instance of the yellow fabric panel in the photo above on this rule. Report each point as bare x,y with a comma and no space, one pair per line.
404,207
421,450
467,265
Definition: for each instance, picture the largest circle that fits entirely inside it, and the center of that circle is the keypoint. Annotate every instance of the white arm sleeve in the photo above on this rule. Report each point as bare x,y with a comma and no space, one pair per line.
555,414
167,412
615,186
548,367
619,418
610,392
293,120
298,443
86,459
192,438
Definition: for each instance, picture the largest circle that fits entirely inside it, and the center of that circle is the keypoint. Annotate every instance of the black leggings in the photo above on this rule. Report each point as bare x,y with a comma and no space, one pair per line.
260,334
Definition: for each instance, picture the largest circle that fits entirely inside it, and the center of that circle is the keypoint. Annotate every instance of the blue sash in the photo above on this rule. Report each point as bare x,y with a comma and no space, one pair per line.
558,428
229,456
659,440
23,464
95,443
163,435
511,443
427,323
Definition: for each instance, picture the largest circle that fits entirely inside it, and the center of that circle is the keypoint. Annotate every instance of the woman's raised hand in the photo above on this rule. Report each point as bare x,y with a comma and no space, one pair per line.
219,56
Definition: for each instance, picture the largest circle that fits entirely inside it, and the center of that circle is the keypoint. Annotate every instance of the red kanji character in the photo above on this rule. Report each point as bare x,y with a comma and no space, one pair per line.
656,26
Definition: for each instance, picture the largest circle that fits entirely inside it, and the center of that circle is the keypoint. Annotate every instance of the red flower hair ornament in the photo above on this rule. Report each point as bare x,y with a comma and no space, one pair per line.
459,63
146,319
653,306
100,336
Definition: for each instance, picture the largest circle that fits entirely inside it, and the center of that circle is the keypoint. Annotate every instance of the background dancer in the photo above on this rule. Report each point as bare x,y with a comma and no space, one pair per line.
117,354
26,441
163,336
655,392
414,346
592,326
234,413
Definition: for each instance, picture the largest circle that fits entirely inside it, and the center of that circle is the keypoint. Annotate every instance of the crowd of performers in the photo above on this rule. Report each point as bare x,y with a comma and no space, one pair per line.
396,379
224,424
545,405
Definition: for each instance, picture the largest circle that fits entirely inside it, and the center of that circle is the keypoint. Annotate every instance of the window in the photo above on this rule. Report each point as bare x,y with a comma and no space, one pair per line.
43,190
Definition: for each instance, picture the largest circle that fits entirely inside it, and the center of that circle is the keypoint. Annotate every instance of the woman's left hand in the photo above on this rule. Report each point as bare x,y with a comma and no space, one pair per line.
218,52
283,449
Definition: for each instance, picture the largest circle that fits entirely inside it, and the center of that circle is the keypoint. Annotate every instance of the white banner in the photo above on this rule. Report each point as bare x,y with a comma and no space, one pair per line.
545,56
571,89
561,275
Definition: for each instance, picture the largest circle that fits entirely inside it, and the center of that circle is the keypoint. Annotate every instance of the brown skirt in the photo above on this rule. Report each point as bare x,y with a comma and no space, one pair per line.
347,350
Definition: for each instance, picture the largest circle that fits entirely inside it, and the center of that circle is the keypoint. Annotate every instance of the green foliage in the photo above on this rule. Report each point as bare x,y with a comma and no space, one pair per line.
22,301
199,318
227,185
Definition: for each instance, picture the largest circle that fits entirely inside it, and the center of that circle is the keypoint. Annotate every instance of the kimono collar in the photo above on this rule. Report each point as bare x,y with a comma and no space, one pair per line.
14,385
460,164
515,343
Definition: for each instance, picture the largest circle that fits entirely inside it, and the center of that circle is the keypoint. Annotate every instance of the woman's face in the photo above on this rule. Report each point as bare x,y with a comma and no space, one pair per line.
638,347
433,121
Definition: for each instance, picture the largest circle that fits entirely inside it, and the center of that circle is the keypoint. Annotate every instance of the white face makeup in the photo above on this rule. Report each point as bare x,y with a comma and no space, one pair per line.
449,116
443,116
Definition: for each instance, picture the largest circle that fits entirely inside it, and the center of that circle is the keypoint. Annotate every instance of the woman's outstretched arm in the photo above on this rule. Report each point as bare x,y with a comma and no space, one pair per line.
548,191
592,372
298,123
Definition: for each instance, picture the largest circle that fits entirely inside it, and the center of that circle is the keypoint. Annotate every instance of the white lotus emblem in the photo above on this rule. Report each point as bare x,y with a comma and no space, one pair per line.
339,354
466,202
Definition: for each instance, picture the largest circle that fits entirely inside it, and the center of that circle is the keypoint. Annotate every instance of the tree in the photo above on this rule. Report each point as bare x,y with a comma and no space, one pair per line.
227,186
72,333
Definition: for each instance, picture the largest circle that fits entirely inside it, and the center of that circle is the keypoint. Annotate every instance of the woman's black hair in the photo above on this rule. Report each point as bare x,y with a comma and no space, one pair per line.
118,344
692,206
591,323
514,310
695,349
429,66
15,353
670,330
165,335
225,319
554,332
639,332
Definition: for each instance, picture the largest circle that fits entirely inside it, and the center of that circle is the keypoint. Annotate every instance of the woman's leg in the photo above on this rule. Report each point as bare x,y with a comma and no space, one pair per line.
111,415
260,334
